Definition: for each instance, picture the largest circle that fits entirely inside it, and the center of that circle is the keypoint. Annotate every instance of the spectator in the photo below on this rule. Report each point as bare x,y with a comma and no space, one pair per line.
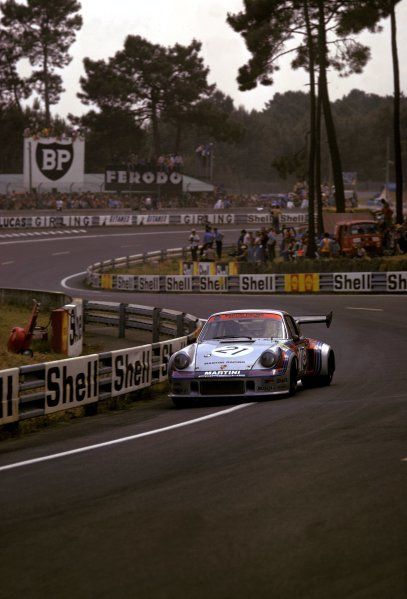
242,254
240,241
218,242
208,254
194,245
325,246
271,244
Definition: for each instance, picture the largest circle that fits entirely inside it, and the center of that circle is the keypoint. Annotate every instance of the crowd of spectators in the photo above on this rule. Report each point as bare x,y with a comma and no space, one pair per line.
165,162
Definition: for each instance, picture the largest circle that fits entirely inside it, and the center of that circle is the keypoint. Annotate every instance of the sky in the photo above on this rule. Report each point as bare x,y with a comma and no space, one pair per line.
106,23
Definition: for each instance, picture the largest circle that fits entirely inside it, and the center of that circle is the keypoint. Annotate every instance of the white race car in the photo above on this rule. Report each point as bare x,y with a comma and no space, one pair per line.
248,353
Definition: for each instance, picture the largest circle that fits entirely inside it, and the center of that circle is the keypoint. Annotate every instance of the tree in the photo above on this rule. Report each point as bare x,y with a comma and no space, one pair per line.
13,88
46,30
367,14
270,26
150,81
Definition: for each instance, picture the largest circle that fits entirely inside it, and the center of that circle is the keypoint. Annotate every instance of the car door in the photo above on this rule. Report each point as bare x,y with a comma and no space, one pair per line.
300,343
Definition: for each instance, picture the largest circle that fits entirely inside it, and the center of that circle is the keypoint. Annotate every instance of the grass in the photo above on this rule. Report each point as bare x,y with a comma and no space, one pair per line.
13,315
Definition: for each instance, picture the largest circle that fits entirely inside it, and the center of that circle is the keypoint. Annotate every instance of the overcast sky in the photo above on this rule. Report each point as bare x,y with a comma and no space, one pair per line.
106,23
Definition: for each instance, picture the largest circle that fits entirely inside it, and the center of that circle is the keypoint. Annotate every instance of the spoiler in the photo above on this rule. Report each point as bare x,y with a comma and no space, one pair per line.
314,319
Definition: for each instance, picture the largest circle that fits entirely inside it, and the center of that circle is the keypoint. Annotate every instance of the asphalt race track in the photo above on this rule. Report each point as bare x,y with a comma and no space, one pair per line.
286,499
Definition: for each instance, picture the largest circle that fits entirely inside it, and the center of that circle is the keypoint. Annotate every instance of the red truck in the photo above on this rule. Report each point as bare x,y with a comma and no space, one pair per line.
354,234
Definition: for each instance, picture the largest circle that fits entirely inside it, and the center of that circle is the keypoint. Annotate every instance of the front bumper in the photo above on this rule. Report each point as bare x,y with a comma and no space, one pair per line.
212,387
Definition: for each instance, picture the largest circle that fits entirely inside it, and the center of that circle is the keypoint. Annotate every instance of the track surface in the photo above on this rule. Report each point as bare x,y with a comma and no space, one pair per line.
291,498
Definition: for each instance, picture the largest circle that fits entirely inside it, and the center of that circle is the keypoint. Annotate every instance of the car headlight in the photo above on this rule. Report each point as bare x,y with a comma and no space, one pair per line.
181,361
269,358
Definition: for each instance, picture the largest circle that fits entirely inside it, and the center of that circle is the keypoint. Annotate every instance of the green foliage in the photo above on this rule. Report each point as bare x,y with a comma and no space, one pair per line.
44,31
394,263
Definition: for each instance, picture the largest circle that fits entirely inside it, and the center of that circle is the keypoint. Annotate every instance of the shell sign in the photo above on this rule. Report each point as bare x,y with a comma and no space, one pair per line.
301,283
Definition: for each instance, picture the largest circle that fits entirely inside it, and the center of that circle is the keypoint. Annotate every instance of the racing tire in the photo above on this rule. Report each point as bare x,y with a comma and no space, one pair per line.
293,378
322,380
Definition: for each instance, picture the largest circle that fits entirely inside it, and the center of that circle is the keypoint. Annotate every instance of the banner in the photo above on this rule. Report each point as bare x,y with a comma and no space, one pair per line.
178,283
131,369
355,281
300,283
211,284
51,162
256,283
71,383
9,387
396,281
119,178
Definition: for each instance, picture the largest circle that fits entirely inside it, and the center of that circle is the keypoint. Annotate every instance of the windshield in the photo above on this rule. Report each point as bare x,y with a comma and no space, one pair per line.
247,325
363,229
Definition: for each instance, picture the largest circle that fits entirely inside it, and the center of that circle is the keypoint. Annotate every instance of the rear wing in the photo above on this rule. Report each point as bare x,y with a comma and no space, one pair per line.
314,319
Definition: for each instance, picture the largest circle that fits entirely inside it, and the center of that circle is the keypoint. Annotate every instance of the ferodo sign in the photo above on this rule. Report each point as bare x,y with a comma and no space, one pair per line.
9,395
131,369
118,178
71,383
167,348
50,162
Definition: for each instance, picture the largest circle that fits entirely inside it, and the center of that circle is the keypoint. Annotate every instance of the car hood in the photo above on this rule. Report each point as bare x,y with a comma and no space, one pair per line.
232,354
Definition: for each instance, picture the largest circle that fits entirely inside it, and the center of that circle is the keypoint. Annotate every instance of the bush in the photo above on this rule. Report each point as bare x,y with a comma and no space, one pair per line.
391,263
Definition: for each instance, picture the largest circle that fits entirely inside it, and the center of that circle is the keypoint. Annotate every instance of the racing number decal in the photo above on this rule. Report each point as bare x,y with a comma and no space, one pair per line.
232,350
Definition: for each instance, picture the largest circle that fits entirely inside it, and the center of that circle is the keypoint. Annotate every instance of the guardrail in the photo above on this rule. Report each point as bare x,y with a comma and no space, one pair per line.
42,389
341,282
288,218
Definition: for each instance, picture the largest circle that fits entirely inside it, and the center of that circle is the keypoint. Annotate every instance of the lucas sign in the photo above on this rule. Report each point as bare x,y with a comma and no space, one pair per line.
53,162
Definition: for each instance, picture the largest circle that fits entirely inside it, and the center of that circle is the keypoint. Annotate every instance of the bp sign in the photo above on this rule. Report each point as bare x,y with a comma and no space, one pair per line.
52,162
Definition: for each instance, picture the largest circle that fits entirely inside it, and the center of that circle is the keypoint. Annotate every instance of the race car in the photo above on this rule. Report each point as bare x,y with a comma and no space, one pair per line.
248,353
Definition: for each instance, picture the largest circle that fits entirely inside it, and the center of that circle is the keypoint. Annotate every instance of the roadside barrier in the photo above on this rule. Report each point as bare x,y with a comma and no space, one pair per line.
341,282
42,389
145,219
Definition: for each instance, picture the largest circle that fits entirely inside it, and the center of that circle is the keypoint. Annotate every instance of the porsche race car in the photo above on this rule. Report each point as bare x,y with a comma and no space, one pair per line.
250,353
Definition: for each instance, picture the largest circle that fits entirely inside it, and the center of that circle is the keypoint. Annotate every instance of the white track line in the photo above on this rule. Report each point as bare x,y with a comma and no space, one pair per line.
60,253
157,431
367,309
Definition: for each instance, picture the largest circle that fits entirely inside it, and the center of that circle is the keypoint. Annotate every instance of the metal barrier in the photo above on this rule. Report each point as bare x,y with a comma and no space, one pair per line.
324,282
42,389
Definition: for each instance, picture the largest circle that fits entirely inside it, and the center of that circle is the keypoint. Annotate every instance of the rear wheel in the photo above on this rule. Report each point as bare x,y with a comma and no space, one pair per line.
323,380
293,378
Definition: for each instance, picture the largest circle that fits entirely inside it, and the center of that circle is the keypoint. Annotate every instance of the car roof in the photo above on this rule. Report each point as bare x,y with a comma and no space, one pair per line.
251,311
354,222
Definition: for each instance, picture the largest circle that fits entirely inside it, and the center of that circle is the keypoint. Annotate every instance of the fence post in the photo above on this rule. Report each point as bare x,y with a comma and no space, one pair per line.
122,320
156,325
85,307
180,324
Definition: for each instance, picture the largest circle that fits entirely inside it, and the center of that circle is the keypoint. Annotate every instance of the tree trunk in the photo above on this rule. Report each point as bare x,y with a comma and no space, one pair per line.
156,131
329,122
320,216
398,164
46,90
311,247
178,134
